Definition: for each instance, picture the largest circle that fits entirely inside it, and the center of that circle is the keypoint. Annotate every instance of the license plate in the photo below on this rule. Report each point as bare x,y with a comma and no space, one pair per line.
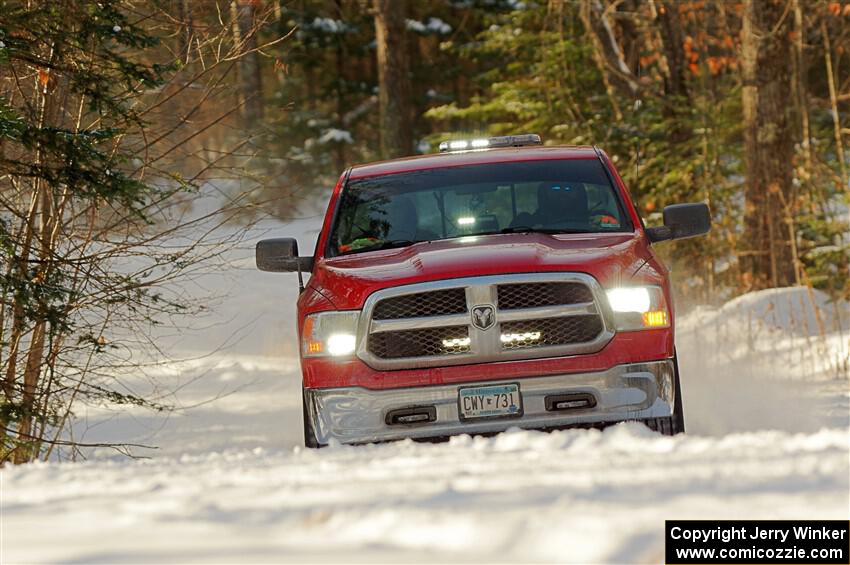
498,401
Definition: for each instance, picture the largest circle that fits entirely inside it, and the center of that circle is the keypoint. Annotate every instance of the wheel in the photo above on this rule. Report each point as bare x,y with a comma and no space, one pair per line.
678,411
309,434
663,426
675,424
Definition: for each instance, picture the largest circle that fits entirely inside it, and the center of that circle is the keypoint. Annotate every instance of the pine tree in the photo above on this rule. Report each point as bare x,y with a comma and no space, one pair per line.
88,197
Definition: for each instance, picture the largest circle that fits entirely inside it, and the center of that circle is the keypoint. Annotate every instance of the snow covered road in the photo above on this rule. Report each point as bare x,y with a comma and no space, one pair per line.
767,413
579,496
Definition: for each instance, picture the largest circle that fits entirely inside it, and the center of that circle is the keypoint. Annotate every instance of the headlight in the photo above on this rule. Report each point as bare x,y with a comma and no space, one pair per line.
331,334
639,307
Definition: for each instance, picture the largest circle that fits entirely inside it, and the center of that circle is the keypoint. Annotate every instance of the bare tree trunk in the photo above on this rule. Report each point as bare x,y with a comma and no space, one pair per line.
768,143
609,56
675,86
35,352
394,97
800,83
833,100
250,89
187,31
39,203
339,150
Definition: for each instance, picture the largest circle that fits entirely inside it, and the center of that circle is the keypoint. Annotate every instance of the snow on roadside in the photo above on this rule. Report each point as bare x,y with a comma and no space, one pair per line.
235,380
229,401
798,328
773,359
578,496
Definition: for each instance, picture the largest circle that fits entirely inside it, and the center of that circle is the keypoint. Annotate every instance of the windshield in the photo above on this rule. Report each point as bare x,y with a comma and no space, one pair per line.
552,196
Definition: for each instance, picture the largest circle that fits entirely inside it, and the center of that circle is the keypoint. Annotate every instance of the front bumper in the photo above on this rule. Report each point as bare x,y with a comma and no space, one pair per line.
624,392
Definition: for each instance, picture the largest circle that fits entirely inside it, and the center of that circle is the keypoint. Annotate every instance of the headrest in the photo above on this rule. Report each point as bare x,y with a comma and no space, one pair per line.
402,218
565,201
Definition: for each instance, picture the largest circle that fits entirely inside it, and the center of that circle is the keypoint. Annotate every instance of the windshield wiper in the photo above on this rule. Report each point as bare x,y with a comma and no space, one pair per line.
529,229
381,244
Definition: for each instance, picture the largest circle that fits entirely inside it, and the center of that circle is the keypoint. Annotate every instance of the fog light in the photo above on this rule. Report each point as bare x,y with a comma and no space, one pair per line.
513,338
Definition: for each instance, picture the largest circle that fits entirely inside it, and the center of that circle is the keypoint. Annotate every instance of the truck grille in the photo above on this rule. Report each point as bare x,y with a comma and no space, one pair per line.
550,331
420,343
515,296
483,319
440,302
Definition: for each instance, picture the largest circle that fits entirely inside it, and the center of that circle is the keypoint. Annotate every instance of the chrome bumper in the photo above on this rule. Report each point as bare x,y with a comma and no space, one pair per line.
625,392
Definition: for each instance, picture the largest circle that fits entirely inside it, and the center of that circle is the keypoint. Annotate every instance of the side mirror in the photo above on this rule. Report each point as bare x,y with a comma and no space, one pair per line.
280,255
682,221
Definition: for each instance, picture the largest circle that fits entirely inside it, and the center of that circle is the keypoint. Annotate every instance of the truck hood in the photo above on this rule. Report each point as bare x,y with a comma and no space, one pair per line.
611,258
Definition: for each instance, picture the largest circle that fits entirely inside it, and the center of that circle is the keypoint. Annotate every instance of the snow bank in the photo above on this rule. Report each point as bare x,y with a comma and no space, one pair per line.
792,333
774,359
577,496
796,311
795,333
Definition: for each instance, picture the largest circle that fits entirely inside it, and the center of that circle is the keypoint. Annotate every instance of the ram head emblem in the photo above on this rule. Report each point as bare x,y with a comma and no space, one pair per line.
483,317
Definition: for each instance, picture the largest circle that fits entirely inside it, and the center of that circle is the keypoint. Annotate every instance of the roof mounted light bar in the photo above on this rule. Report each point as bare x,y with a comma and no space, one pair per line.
490,142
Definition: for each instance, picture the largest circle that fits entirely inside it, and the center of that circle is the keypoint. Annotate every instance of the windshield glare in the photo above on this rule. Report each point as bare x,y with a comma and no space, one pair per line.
569,196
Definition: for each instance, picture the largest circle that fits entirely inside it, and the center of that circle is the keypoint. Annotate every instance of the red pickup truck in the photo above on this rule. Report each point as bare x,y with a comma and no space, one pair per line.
500,283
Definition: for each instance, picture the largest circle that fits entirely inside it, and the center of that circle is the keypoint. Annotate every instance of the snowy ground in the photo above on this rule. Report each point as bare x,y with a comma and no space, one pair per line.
580,496
766,410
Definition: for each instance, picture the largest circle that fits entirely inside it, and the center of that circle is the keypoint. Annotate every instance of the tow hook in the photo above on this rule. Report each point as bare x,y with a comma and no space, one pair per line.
412,415
570,401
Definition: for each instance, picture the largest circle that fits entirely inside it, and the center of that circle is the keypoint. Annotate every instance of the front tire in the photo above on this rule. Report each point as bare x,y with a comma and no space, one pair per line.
310,440
674,424
664,426
678,419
